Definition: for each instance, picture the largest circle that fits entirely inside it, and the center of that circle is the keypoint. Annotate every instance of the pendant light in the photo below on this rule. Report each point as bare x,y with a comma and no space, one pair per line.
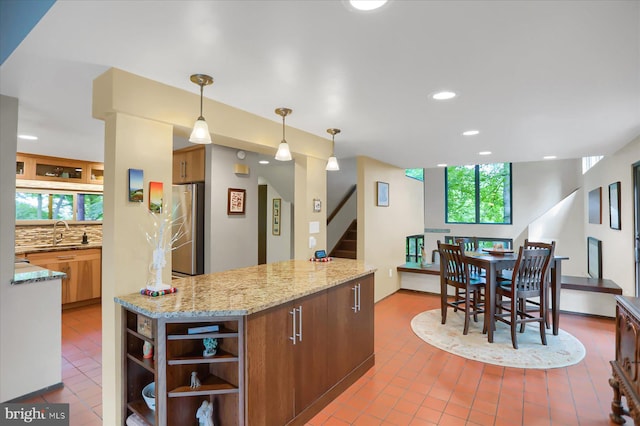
200,133
283,154
332,163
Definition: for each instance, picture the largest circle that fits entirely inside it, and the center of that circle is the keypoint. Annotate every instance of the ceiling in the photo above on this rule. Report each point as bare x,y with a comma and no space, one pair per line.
536,78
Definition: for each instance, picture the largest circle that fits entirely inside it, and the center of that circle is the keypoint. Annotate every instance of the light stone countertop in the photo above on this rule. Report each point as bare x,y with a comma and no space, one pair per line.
28,273
246,291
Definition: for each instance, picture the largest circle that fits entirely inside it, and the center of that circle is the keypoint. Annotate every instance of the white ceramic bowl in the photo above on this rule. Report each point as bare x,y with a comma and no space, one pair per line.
149,395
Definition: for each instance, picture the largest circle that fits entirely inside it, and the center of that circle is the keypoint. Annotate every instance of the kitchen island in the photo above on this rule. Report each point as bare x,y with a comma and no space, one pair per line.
291,336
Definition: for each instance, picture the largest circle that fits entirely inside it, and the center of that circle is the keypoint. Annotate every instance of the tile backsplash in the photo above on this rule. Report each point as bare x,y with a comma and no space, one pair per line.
29,235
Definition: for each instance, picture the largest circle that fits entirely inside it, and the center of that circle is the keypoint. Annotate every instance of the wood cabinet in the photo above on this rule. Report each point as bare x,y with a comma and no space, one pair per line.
350,320
177,354
189,165
625,378
302,354
83,282
55,169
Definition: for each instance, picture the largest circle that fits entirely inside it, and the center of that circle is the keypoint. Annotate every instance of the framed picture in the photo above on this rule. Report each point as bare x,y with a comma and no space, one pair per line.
382,194
276,217
317,205
595,200
235,201
594,257
614,206
136,185
155,197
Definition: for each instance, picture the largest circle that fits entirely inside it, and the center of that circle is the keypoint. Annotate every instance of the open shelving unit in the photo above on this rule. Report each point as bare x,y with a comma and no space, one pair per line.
176,355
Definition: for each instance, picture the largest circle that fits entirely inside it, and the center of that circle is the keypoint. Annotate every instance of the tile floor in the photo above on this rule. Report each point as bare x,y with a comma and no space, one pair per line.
412,383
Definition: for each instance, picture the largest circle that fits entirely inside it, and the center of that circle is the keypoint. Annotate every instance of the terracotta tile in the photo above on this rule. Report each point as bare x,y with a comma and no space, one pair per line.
398,418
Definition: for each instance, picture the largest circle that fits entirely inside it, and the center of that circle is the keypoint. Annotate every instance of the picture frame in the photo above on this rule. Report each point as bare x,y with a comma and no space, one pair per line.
382,194
155,197
595,209
136,185
614,206
594,257
236,202
317,205
276,216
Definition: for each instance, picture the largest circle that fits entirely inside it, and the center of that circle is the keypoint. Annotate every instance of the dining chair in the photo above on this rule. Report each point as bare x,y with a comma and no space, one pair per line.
469,244
549,246
529,281
468,289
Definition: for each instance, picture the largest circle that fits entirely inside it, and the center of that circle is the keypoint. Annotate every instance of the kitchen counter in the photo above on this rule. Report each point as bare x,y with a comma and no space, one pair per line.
28,273
245,291
42,248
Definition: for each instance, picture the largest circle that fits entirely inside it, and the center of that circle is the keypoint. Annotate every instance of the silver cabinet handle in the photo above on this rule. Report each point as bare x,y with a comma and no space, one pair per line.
300,324
293,318
354,308
184,169
358,303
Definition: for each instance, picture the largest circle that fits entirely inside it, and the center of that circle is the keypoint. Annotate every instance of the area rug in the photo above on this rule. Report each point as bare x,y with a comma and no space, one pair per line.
561,350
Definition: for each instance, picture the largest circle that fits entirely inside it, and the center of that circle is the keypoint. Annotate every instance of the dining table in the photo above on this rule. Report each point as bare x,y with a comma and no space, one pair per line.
495,261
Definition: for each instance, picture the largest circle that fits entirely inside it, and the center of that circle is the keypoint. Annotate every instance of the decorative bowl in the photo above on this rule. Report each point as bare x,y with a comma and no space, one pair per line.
149,395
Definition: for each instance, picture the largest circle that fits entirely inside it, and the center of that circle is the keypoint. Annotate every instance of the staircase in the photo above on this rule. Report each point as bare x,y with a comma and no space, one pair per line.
346,247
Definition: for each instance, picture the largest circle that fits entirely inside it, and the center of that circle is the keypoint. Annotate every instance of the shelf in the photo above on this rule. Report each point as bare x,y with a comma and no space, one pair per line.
146,363
197,358
140,336
216,335
212,385
141,408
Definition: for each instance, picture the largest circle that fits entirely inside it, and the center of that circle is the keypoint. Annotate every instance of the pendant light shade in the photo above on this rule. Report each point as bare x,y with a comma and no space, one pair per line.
200,133
332,163
283,154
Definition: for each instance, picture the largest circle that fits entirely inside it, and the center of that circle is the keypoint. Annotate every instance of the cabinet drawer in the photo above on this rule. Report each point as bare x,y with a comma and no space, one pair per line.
65,256
627,351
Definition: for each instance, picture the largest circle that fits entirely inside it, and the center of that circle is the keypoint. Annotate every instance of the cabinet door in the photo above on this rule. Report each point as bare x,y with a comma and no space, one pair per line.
189,165
311,350
362,346
341,314
270,369
179,167
89,276
60,262
350,325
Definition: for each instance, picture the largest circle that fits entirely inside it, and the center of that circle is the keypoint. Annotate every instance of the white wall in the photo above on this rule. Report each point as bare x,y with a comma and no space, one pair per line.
279,247
382,230
617,245
232,239
537,187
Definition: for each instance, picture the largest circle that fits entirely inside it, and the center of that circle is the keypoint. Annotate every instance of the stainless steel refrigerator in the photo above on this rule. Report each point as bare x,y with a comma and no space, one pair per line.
187,257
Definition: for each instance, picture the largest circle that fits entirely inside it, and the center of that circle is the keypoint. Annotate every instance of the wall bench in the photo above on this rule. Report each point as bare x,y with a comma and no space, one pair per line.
569,282
595,285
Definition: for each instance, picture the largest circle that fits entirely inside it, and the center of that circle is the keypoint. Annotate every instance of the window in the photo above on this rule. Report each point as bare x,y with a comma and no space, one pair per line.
589,162
478,194
415,174
33,204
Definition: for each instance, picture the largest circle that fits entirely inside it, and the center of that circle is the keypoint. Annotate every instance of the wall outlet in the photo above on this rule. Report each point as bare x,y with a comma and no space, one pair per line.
390,273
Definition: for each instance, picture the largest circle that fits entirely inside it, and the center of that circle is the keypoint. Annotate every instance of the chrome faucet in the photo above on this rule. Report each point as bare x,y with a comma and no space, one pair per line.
57,239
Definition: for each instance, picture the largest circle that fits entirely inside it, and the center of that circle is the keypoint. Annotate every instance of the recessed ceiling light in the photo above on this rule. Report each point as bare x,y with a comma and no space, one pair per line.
442,165
263,162
470,132
549,157
444,95
484,153
367,4
28,137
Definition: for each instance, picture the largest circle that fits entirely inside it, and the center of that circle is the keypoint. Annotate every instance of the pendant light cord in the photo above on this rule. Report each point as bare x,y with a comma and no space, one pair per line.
283,140
201,91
